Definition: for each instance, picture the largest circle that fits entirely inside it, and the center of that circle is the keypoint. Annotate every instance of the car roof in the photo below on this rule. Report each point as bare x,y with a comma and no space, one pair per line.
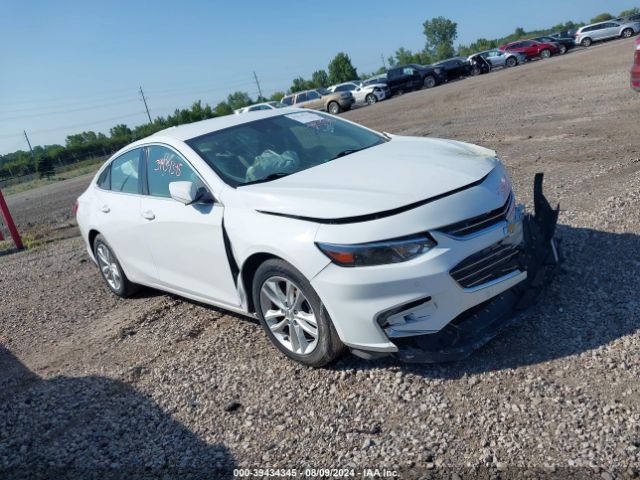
196,129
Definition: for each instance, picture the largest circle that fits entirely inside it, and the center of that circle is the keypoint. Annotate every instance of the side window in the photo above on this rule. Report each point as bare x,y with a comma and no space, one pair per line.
165,166
341,88
302,97
391,74
287,100
104,180
408,71
124,172
312,95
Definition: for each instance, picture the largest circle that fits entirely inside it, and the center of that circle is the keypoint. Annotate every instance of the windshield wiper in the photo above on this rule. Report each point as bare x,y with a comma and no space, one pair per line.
348,152
268,178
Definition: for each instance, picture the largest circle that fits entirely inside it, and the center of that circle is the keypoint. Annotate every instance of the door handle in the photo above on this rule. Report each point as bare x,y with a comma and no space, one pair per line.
148,214
105,209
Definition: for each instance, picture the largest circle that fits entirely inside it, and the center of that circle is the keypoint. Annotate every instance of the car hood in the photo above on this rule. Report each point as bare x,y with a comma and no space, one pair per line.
395,174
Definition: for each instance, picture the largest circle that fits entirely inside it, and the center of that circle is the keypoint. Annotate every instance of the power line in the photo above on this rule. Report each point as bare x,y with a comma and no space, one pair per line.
45,114
145,104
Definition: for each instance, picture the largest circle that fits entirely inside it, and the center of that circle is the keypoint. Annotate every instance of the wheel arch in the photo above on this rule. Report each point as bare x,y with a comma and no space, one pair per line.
248,271
93,233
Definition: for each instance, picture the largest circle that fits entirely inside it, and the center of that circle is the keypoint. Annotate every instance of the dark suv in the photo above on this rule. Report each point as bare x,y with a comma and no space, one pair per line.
406,78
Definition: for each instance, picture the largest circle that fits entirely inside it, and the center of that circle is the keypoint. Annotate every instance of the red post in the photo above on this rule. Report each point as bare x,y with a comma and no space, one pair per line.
9,221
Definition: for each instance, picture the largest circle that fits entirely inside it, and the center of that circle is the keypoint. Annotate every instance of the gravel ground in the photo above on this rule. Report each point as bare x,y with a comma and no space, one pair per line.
92,386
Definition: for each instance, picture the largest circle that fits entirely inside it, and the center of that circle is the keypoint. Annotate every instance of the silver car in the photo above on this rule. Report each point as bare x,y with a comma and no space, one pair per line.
585,36
501,59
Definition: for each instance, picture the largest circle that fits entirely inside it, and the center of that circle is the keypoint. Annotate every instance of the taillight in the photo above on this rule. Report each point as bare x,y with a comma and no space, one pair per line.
74,210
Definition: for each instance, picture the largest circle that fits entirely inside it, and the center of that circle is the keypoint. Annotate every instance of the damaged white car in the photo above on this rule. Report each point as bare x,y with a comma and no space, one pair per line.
333,235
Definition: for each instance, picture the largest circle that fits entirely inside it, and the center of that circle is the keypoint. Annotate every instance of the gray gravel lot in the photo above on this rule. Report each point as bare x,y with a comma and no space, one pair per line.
92,385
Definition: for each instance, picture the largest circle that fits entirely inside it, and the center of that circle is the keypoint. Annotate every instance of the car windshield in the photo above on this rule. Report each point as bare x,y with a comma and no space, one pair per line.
273,147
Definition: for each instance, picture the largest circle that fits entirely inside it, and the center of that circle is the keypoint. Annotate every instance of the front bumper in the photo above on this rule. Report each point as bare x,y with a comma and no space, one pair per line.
478,325
401,308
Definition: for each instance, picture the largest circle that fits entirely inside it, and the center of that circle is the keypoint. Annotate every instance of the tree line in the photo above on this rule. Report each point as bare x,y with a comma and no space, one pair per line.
440,34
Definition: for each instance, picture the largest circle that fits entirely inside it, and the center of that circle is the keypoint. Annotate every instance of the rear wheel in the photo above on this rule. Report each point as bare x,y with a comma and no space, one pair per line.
511,62
333,108
371,99
627,33
546,53
111,271
429,81
586,42
293,315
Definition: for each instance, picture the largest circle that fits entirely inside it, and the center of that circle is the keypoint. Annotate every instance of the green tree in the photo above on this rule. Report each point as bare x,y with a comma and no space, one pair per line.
441,33
299,84
341,69
320,78
45,166
631,11
277,96
603,17
223,108
238,100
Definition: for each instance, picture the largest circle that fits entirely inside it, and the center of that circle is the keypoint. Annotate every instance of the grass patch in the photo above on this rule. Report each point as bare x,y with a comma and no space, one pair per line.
63,173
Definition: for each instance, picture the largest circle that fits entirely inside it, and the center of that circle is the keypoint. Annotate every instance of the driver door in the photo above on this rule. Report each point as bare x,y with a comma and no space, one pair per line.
185,241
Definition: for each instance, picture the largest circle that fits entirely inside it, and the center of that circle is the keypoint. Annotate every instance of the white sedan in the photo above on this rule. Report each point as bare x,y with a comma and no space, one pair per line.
330,233
363,94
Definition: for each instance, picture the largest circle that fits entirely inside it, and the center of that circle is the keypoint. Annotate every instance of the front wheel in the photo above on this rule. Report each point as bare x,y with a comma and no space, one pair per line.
563,49
475,71
293,315
429,81
511,62
371,99
111,271
333,108
545,53
627,33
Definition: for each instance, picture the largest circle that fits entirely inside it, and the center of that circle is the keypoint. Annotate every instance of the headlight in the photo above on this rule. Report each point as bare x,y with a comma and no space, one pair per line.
378,253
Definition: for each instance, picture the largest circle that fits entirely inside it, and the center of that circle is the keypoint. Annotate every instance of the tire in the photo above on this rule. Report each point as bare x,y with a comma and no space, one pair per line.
371,99
511,62
563,49
586,42
429,81
110,269
334,108
289,328
546,53
627,33
475,71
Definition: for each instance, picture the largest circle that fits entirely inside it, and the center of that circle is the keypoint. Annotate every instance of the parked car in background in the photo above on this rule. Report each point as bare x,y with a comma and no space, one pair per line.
260,106
635,70
502,59
596,32
378,79
406,78
454,68
531,48
321,99
565,43
333,235
363,94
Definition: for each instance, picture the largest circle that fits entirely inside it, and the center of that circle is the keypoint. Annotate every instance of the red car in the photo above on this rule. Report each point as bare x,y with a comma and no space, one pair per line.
635,70
531,48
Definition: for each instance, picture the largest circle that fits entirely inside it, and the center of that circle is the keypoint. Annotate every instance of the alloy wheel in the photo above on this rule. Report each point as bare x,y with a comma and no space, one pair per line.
289,315
109,267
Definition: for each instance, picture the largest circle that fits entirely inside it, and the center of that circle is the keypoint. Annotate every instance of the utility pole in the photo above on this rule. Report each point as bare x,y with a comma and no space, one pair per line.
28,143
258,84
145,104
384,65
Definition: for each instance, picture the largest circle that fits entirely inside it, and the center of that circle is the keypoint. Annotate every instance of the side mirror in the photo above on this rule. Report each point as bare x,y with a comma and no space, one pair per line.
183,192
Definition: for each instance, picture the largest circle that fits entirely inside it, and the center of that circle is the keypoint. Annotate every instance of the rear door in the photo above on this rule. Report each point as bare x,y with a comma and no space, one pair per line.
597,32
185,241
314,100
117,216
611,29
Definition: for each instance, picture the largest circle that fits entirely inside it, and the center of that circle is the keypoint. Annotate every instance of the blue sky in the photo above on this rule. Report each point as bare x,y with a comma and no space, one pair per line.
68,66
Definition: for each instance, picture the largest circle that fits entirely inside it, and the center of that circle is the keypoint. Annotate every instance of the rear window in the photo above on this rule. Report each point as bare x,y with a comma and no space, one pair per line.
125,172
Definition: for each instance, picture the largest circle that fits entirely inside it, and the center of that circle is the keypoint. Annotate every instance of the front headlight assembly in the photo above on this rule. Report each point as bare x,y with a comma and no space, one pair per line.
383,252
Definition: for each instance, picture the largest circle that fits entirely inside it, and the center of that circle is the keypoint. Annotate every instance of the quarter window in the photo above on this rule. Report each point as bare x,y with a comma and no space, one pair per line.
124,172
165,166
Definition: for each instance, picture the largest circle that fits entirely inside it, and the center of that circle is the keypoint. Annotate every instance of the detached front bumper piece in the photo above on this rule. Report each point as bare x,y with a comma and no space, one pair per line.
477,326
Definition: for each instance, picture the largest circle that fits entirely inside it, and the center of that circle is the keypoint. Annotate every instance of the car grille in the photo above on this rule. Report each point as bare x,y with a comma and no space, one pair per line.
475,224
487,265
